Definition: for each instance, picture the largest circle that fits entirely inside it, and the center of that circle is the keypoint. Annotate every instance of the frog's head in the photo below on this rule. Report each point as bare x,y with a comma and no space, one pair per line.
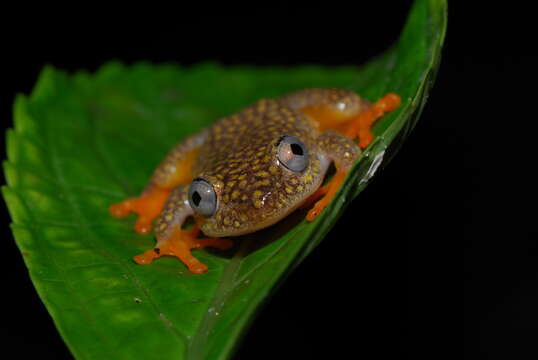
254,189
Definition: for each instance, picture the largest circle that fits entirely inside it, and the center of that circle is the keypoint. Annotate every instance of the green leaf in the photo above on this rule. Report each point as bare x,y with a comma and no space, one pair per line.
84,141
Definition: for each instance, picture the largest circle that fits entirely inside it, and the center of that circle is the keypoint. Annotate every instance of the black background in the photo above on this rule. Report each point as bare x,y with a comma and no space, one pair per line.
447,247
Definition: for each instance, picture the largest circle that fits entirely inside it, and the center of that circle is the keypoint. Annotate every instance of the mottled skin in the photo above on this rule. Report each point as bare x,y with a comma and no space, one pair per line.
238,156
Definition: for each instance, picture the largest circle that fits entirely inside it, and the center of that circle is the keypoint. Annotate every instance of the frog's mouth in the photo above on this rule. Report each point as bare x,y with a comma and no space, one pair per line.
251,227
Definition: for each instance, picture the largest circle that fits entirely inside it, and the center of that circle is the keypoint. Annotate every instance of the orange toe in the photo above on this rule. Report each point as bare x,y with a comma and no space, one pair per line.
389,102
198,268
120,209
143,225
365,138
146,257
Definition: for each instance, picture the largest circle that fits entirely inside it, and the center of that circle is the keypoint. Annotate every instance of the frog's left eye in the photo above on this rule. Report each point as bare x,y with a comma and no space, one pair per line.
292,153
202,197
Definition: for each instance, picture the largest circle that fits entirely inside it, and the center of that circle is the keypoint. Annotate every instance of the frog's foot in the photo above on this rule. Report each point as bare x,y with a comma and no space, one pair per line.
179,244
361,125
147,207
329,190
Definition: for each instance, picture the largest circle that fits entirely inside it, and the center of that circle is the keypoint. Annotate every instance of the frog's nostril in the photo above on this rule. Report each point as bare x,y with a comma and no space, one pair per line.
296,149
196,198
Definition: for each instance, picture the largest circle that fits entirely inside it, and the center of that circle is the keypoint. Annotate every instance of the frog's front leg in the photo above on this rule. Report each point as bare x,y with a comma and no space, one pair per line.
174,170
174,241
343,152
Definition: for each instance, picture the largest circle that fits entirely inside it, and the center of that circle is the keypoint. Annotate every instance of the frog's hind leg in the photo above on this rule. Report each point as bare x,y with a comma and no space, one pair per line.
326,108
174,170
174,241
341,110
147,207
341,116
361,125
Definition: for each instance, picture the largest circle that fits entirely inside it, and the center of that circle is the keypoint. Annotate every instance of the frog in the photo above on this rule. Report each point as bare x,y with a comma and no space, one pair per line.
249,170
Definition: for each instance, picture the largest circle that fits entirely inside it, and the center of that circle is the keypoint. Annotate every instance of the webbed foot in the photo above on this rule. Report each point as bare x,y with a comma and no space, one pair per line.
147,207
361,125
179,244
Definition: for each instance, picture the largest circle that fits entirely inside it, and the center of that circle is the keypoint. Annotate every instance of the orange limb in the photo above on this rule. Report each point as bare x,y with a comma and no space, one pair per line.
354,126
171,173
315,196
147,207
179,244
361,125
331,190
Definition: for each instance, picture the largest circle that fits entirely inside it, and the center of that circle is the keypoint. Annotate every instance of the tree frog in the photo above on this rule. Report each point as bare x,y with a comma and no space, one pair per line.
249,170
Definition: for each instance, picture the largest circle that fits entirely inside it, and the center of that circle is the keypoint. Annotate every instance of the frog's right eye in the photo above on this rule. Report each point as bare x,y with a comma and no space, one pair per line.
202,197
292,153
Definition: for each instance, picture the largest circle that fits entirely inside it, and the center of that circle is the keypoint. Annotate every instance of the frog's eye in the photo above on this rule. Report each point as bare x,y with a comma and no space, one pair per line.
202,197
292,153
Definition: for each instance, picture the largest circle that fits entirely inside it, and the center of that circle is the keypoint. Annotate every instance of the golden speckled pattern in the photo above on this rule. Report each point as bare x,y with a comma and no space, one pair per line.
340,147
240,159
238,156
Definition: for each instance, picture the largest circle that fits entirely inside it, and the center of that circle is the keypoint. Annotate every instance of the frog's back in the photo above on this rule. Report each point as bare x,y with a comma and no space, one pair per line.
245,139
